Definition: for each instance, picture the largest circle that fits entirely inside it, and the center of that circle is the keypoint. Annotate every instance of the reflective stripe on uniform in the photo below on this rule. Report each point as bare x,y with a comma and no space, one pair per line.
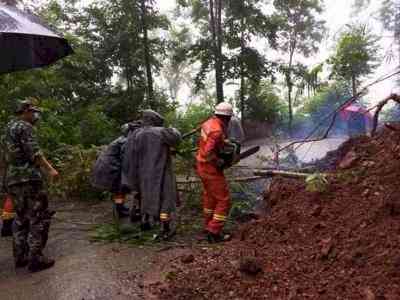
221,218
7,215
208,211
164,217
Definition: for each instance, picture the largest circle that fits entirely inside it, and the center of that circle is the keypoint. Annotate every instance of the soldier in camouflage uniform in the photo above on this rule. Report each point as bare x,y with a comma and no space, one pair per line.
25,185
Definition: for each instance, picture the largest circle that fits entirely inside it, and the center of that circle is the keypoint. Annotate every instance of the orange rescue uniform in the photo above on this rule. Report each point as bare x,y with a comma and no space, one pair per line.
216,198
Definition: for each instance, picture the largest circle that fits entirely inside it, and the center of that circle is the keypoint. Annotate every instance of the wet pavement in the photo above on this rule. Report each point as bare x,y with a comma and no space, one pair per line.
83,269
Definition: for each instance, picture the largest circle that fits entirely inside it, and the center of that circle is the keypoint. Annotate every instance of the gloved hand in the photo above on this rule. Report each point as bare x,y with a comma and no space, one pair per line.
220,163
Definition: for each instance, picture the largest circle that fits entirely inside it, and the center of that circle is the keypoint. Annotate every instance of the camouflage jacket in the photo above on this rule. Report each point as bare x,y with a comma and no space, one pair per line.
21,150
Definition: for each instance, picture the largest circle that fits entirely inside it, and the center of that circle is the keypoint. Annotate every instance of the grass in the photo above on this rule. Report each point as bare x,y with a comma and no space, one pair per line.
189,221
125,233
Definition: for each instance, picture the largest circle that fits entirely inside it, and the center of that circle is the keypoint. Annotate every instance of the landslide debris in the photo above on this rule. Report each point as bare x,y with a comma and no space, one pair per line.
343,243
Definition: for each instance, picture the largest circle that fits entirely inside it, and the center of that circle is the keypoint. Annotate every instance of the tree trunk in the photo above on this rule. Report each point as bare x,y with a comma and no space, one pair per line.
150,93
215,7
242,79
354,84
290,89
220,77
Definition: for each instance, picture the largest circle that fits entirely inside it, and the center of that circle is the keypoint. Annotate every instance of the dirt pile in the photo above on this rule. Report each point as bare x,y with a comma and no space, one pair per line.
340,244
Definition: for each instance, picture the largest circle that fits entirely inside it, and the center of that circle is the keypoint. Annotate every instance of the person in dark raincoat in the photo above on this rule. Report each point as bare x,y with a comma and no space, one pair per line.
147,169
235,130
106,174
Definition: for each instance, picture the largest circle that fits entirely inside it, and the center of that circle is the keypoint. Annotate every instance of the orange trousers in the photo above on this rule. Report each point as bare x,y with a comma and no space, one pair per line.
216,197
8,209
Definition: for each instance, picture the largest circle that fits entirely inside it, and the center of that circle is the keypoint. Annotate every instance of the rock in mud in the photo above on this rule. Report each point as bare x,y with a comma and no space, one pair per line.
187,259
250,266
348,160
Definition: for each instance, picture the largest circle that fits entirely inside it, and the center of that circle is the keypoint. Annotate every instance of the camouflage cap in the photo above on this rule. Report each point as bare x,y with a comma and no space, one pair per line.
26,105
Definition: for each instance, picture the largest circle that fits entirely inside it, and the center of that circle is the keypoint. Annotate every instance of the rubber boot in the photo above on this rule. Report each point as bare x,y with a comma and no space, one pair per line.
6,230
217,238
38,264
21,263
166,231
121,210
145,225
135,215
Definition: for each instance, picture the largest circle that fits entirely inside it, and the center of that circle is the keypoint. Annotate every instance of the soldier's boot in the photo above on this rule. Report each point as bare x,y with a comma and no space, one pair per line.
40,263
6,230
145,224
166,231
135,215
121,210
21,263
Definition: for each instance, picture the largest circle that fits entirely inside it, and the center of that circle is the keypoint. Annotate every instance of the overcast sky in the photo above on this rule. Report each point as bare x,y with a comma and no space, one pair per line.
337,14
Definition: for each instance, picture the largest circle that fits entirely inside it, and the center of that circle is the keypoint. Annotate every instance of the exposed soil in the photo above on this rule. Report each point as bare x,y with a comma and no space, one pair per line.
343,243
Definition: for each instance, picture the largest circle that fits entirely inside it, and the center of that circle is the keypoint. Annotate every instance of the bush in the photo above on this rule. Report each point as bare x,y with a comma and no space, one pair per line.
74,164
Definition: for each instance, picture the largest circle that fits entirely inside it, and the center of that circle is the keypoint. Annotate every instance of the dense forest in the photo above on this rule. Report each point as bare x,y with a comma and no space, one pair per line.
130,55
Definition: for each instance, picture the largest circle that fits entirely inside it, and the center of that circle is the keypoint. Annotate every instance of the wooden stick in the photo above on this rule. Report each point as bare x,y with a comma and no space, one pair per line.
270,173
237,179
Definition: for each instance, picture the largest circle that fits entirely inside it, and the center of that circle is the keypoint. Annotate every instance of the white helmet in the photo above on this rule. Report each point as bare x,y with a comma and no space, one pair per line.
224,109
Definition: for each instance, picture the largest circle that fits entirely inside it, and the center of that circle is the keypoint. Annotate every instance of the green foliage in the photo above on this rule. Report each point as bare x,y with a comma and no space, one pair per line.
264,104
87,126
325,101
75,167
125,233
356,55
300,30
317,183
243,200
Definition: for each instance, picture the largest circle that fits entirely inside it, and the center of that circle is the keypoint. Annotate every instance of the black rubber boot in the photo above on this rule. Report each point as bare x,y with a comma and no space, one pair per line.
218,238
40,264
122,210
6,230
166,231
21,263
146,224
135,215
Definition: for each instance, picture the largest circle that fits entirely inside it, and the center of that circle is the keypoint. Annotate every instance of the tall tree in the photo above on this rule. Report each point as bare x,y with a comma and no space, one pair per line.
300,33
356,55
215,21
119,34
207,16
245,22
150,92
177,70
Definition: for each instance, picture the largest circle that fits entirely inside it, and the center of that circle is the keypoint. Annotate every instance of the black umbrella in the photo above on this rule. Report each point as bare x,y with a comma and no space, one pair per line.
26,43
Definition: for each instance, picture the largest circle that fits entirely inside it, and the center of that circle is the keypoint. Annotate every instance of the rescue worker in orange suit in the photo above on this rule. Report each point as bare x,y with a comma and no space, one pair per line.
209,165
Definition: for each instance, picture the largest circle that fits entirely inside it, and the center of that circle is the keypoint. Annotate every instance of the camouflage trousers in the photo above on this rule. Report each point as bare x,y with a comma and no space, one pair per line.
32,221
